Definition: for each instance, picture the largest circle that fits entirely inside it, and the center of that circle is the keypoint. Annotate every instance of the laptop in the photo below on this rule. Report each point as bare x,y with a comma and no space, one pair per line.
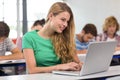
98,59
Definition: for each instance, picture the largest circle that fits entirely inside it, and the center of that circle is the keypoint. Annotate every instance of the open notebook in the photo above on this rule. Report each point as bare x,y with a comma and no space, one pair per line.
98,59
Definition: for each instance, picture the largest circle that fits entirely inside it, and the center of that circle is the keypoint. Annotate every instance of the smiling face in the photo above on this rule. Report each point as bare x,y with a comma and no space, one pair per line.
59,22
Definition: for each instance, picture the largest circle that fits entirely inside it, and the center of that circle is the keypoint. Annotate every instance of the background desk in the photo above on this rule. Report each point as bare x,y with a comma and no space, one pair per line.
8,63
14,67
82,56
51,76
114,78
116,54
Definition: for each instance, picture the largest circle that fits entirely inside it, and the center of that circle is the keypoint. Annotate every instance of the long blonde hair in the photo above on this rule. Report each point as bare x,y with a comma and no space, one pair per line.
64,43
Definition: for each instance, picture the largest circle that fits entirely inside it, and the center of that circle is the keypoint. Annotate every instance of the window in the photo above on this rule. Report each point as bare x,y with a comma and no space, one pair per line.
11,13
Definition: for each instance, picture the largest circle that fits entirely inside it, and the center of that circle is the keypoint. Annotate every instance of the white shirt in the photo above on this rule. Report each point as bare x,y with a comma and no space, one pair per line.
109,39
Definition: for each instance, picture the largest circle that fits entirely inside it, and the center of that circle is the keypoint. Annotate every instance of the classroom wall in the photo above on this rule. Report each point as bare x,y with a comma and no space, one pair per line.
93,11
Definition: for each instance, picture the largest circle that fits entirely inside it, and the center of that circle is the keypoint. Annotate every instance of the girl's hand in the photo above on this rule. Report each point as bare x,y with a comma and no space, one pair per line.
69,66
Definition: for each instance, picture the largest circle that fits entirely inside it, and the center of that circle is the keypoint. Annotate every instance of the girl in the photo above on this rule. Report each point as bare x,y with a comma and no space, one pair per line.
53,47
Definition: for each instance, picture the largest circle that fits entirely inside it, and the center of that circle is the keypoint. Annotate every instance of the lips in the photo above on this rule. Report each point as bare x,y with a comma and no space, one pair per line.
62,28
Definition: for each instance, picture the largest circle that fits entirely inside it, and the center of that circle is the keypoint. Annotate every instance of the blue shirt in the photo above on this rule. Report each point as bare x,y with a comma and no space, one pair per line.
81,45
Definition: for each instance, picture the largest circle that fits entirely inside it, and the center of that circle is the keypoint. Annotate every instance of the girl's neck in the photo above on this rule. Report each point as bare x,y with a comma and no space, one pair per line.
46,32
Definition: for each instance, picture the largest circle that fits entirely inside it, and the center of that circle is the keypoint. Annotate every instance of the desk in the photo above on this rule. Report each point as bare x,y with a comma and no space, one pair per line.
114,78
115,70
8,63
82,56
19,66
116,54
43,76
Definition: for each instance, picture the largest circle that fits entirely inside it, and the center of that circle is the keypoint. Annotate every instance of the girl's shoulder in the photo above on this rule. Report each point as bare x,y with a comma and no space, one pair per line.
31,33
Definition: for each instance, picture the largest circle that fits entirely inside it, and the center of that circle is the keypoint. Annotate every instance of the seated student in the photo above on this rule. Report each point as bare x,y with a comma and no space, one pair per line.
110,29
6,44
38,24
88,33
52,47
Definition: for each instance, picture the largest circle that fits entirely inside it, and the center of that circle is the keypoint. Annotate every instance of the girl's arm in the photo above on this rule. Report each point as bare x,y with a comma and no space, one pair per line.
32,67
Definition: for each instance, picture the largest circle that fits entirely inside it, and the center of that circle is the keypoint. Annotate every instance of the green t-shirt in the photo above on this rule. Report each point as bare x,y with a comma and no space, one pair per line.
43,49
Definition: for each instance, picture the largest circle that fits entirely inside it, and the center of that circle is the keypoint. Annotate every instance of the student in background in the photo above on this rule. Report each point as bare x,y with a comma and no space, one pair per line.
110,29
38,24
88,33
52,47
6,44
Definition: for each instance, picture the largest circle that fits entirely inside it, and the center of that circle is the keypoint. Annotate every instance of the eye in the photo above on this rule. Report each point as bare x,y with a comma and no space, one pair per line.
63,19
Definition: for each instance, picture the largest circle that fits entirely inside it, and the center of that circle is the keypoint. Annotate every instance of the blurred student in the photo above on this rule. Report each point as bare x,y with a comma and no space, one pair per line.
52,47
6,44
110,29
38,24
88,33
